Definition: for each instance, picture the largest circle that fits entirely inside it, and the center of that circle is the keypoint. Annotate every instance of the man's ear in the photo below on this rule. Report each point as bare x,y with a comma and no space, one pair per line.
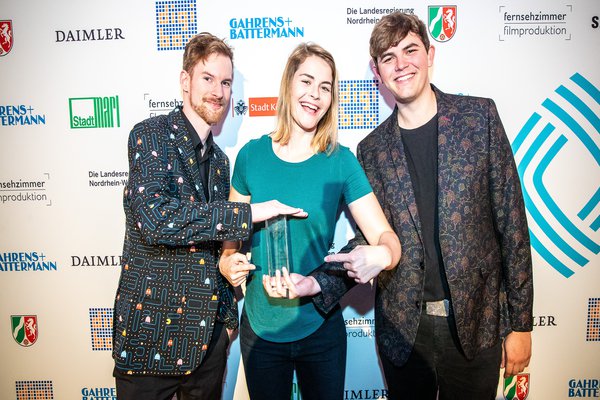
184,80
375,70
430,55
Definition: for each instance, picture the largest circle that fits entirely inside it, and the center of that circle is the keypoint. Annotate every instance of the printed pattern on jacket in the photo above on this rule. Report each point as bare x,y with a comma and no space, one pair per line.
170,292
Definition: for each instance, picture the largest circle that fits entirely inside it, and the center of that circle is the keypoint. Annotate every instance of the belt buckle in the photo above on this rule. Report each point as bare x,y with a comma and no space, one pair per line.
438,308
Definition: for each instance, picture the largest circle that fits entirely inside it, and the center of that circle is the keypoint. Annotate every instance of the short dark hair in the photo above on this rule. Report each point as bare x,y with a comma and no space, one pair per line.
391,29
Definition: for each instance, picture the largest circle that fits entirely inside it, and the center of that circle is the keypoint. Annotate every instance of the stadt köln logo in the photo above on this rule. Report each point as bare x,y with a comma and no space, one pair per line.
24,329
442,22
6,37
516,387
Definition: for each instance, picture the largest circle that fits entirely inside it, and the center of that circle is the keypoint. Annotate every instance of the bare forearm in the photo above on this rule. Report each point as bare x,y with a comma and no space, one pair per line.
390,241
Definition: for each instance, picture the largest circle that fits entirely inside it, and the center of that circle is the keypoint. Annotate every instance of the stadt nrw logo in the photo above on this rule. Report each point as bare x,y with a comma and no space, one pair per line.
94,112
557,153
24,329
442,22
516,387
6,37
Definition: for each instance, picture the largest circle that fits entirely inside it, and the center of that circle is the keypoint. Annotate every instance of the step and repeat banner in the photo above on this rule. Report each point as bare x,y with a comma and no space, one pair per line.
76,76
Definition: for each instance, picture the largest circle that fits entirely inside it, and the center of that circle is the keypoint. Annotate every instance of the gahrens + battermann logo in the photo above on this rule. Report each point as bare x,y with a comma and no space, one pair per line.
99,393
25,261
264,28
19,115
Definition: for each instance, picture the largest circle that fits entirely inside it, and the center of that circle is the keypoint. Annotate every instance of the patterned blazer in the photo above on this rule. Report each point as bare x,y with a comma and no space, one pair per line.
170,289
483,231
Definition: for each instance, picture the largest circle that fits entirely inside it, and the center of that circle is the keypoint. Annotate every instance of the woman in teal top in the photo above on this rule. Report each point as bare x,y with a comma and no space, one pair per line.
301,164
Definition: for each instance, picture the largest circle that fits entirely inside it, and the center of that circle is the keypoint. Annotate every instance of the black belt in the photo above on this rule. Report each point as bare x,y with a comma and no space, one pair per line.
439,308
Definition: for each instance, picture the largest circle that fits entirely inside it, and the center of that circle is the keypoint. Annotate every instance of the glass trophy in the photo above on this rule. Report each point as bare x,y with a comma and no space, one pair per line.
277,244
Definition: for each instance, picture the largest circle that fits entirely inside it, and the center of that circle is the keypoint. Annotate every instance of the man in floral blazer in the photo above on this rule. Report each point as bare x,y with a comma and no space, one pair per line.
459,304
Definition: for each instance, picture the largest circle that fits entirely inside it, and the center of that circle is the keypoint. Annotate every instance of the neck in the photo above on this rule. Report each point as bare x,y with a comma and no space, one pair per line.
200,126
416,113
298,148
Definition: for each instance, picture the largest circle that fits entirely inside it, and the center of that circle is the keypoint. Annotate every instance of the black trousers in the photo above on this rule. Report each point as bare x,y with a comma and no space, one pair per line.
319,361
204,383
438,364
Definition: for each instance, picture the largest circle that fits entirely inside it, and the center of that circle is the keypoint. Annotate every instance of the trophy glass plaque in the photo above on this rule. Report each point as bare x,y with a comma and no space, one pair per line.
277,244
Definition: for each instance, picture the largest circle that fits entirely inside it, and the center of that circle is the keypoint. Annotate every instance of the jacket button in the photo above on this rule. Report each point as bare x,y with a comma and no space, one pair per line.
422,265
418,304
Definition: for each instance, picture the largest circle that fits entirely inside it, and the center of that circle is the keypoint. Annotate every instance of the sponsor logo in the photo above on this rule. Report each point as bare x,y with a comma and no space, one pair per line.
523,23
94,112
38,390
371,15
544,320
593,321
24,329
364,394
86,35
6,37
240,108
29,190
359,104
161,106
107,178
96,261
176,23
20,115
26,261
360,328
516,387
264,28
584,388
101,323
557,154
99,393
262,106
442,22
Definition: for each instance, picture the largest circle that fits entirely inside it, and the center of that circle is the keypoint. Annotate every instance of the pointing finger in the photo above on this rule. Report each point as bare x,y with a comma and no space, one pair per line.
340,257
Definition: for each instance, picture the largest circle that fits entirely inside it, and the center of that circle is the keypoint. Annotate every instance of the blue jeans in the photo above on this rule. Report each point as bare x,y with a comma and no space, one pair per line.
437,363
319,360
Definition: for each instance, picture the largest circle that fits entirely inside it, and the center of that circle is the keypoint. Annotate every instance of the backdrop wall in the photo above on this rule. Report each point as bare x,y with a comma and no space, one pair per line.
76,76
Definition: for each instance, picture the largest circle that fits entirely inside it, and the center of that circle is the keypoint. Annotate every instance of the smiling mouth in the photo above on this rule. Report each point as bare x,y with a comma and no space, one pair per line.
309,107
215,105
404,77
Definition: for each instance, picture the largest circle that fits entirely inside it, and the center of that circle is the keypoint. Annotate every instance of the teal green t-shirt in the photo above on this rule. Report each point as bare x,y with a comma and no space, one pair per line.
318,185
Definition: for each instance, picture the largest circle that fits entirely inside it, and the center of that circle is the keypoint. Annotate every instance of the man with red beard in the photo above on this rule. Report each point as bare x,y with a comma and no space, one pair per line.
174,310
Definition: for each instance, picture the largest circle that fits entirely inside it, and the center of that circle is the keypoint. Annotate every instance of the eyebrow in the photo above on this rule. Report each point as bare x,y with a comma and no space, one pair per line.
214,77
313,78
408,46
